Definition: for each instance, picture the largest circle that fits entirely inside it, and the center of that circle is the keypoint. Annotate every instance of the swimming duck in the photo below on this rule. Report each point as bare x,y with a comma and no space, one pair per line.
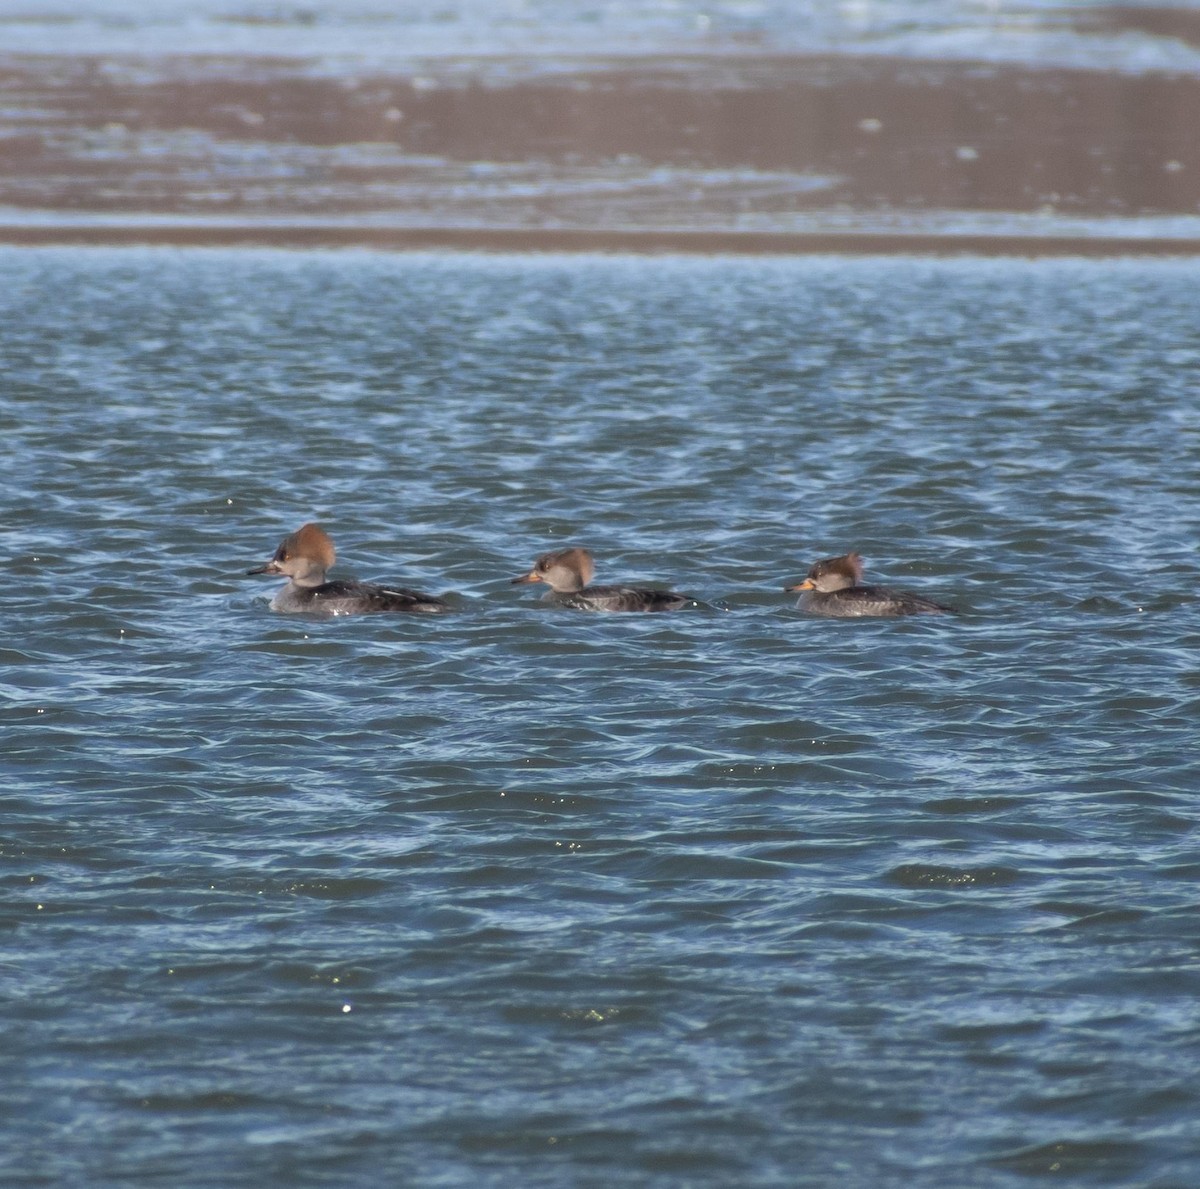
306,555
568,571
833,587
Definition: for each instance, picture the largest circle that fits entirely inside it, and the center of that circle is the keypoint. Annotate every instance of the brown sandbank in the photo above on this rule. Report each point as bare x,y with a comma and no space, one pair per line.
723,154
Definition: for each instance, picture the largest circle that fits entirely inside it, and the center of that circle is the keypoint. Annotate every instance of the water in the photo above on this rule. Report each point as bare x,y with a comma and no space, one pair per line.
524,897
1087,34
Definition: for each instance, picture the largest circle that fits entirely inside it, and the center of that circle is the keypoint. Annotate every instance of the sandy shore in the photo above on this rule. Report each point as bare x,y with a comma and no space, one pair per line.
753,154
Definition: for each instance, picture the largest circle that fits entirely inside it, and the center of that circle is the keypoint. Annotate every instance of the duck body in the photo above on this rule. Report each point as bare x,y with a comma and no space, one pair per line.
834,588
306,555
568,571
347,597
868,600
617,598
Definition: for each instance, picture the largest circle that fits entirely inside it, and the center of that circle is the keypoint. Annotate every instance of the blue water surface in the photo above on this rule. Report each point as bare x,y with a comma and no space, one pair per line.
521,896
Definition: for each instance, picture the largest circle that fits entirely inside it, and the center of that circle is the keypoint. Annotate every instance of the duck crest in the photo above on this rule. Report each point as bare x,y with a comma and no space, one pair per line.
851,565
576,560
311,541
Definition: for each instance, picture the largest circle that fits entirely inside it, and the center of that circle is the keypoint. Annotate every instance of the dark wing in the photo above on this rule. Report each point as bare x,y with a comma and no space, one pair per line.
399,599
879,600
629,598
370,597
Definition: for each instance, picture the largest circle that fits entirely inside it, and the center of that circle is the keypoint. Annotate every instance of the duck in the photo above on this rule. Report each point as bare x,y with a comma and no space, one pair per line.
569,571
834,587
307,555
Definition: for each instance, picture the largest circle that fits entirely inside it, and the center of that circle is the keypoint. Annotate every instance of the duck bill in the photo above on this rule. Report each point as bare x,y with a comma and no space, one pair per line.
269,568
807,584
530,577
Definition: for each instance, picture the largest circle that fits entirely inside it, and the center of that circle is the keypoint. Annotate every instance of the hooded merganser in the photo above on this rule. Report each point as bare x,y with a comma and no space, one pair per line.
833,588
306,555
568,572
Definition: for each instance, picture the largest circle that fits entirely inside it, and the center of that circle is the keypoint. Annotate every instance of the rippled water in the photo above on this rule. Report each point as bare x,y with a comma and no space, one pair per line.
1089,34
519,896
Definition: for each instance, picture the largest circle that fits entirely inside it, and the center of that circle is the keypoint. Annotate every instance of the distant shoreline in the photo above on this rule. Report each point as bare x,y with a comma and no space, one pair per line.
684,242
732,155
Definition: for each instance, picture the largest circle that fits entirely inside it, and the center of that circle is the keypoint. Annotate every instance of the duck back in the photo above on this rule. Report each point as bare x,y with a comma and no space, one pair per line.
619,598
